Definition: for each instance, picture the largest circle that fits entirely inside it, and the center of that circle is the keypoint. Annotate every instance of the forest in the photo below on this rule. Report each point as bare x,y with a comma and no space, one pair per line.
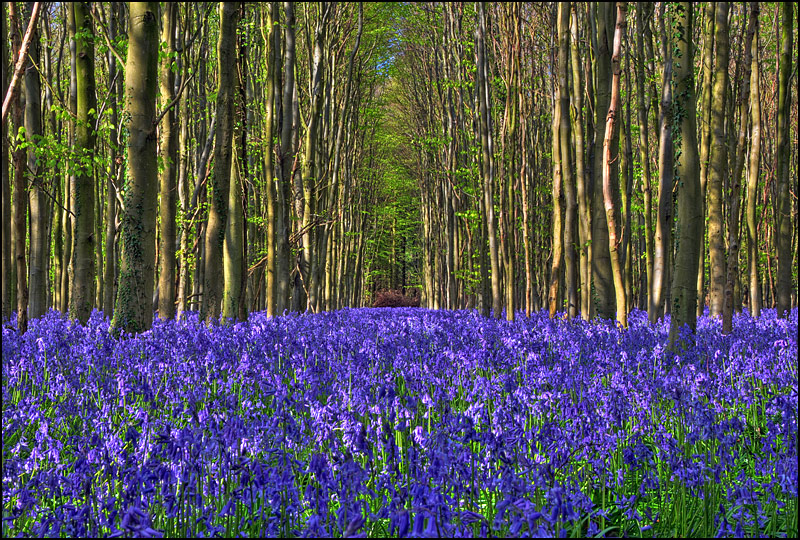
583,216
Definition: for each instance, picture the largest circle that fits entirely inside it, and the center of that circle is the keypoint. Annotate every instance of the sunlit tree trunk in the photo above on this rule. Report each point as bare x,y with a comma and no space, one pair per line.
611,185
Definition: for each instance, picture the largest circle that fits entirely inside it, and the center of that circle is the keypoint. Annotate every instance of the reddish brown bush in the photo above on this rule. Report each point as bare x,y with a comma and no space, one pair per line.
390,298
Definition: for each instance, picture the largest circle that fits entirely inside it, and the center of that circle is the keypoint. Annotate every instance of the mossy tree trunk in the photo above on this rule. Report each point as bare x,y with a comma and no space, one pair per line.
134,311
689,223
82,191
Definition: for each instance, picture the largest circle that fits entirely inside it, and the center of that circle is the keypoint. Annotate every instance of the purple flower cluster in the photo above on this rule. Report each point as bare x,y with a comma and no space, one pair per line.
406,422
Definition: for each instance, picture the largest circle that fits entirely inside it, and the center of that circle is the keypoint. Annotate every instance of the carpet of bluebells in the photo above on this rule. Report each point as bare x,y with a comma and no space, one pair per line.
400,422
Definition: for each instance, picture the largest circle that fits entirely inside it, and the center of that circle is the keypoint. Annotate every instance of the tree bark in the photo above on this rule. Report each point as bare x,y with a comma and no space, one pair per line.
7,275
783,205
690,218
223,153
487,163
83,200
663,233
732,277
602,272
133,312
719,163
610,186
753,173
20,184
705,140
168,131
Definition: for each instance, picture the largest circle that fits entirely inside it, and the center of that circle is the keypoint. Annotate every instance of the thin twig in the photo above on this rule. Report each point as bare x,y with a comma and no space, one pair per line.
174,101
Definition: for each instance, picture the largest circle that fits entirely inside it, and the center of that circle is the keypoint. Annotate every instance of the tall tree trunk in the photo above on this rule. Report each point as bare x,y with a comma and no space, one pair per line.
272,44
223,154
705,141
133,311
644,11
570,217
7,277
610,186
287,150
487,162
690,218
115,169
584,201
82,191
168,130
783,204
663,234
753,172
732,277
719,162
310,157
39,202
20,185
601,264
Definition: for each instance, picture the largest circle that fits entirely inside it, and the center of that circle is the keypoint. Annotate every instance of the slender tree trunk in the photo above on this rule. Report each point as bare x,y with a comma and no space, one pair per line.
223,154
168,130
584,201
39,202
82,192
753,173
690,218
272,43
20,185
602,272
115,169
7,275
783,204
133,312
719,162
487,163
644,138
732,277
610,187
288,136
705,141
570,218
663,233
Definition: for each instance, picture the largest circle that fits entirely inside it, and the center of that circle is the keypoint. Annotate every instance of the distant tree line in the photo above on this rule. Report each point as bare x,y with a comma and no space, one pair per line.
231,157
